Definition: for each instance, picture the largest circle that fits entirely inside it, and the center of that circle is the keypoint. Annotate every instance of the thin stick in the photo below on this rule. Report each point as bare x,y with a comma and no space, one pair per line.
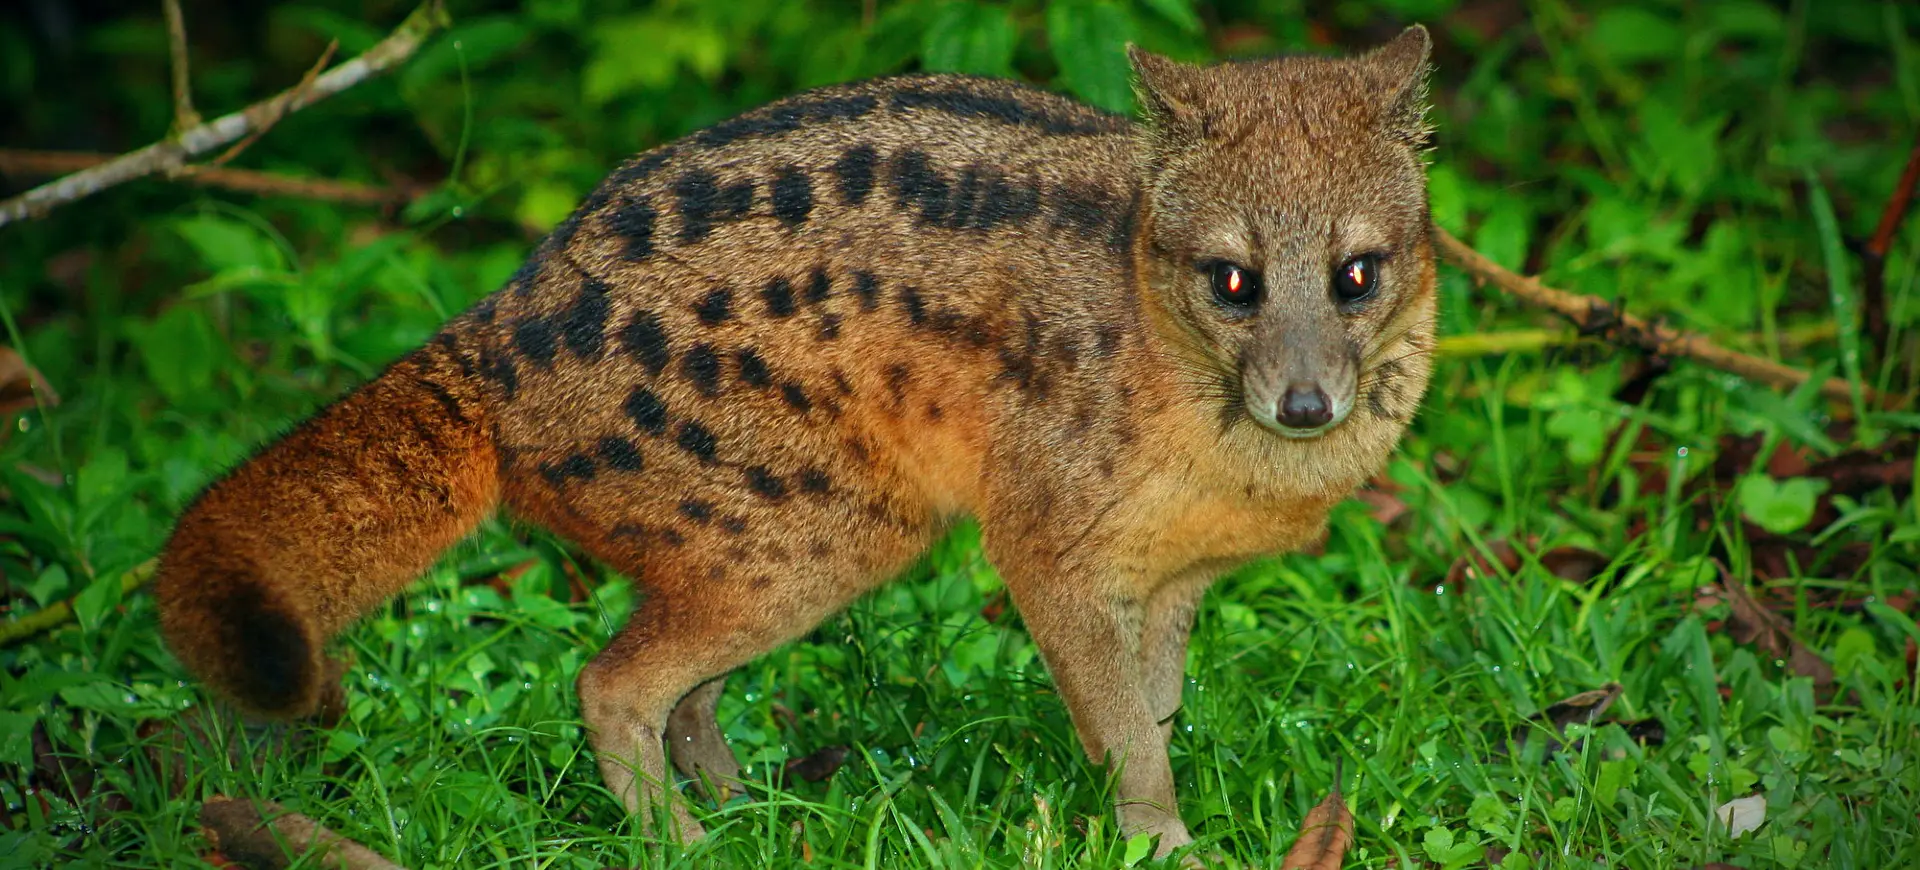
184,117
282,107
21,162
1873,306
61,612
1596,315
269,835
172,154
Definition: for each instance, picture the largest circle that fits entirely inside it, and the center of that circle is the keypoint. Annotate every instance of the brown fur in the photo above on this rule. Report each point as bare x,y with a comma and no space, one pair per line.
763,367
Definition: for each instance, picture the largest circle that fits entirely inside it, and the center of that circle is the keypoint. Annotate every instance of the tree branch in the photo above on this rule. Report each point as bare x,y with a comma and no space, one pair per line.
1873,307
21,162
171,154
1595,315
61,612
184,117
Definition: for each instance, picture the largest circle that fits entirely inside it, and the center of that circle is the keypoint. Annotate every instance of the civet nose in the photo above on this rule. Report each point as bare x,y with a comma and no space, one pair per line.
1305,407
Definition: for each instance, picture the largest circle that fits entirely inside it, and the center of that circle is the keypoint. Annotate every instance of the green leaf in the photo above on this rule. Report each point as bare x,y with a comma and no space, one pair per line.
970,38
1138,848
224,244
16,739
639,53
1089,40
181,353
1180,12
1783,506
1629,34
96,602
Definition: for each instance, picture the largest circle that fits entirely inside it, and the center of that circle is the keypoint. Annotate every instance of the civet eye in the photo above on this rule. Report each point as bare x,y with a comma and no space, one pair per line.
1233,285
1355,280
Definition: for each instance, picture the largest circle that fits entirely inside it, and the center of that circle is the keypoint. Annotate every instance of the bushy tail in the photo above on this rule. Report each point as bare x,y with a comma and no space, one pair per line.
321,527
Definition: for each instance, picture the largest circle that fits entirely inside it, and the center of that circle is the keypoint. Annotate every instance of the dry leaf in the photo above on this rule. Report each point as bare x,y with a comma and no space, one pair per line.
268,835
815,766
1741,815
20,384
1771,632
1384,507
1584,708
1325,834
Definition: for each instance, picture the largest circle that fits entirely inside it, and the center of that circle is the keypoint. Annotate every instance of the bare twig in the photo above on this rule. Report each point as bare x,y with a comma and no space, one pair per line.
1873,307
17,162
265,834
1596,315
280,106
61,612
184,117
172,154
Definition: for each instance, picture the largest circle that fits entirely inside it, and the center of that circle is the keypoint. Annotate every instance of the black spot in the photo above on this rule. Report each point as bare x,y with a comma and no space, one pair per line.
917,185
485,310
786,117
619,454
792,196
819,287
855,169
753,369
796,396
639,168
634,221
867,288
534,339
934,412
500,370
583,324
696,510
897,377
647,341
734,525
715,307
829,326
702,204
965,102
270,659
446,400
1006,203
672,537
765,483
695,439
1106,339
701,365
647,411
779,297
577,465
840,383
915,307
815,481
1083,208
965,195
737,199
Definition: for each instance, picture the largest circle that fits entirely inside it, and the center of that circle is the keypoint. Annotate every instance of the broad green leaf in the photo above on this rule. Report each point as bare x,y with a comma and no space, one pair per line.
226,244
1089,39
1180,12
1780,506
181,353
1630,34
645,52
96,602
970,38
16,739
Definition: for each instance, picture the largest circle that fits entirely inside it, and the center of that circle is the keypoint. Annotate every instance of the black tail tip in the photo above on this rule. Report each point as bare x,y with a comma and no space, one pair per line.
271,665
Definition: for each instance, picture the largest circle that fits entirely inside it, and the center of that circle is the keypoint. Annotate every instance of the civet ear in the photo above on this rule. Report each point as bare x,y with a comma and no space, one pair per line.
1398,70
1166,91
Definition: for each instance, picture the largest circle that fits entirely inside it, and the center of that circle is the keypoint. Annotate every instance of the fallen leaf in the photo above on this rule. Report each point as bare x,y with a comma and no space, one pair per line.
1384,507
1748,622
1741,815
1647,732
1574,564
267,834
1325,834
815,766
1584,708
21,387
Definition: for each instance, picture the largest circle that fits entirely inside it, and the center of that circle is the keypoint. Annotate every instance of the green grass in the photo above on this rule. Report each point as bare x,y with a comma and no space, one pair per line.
1709,165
